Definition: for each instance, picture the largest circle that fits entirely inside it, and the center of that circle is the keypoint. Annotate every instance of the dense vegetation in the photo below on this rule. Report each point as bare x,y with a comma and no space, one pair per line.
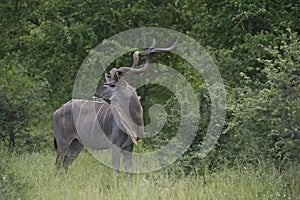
255,44
33,177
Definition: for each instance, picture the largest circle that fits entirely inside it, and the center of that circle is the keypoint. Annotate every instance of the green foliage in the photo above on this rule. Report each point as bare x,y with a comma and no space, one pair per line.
255,45
23,104
264,121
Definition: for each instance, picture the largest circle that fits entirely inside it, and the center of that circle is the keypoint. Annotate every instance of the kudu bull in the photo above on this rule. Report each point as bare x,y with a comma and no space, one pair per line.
120,129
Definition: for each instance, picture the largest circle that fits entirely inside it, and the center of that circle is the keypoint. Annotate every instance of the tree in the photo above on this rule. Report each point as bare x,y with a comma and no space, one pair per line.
264,121
22,103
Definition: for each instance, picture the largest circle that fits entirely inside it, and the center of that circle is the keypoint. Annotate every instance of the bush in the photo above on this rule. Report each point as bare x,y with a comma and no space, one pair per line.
11,186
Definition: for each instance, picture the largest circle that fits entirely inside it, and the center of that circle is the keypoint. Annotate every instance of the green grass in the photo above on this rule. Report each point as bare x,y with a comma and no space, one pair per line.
89,179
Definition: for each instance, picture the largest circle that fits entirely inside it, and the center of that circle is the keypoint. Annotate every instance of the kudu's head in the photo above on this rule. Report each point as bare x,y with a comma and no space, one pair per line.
115,75
104,93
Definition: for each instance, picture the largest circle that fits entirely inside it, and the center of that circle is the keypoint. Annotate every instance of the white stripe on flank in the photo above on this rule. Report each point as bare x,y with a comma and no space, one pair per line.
64,126
96,118
80,112
105,114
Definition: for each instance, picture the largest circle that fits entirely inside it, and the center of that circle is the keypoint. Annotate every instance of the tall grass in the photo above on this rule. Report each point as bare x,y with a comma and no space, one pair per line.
89,179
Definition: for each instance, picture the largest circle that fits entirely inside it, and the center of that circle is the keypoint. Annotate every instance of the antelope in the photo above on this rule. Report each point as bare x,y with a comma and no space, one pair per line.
106,124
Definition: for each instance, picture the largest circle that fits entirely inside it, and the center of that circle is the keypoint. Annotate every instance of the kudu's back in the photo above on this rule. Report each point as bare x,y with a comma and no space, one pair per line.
98,125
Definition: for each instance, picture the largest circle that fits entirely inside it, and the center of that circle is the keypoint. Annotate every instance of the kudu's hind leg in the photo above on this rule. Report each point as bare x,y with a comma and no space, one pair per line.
59,160
61,149
72,153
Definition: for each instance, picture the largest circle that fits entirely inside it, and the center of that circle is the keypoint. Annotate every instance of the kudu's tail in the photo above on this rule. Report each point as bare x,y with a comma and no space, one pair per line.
55,144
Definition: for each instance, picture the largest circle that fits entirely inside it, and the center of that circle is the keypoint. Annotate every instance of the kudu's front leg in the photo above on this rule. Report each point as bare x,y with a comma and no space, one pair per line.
127,160
116,155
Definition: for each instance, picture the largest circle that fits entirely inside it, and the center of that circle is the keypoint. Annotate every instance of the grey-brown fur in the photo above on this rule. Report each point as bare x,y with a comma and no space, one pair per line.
75,127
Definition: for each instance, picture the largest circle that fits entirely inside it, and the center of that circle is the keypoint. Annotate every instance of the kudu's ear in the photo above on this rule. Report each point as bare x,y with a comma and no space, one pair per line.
118,75
112,77
108,78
